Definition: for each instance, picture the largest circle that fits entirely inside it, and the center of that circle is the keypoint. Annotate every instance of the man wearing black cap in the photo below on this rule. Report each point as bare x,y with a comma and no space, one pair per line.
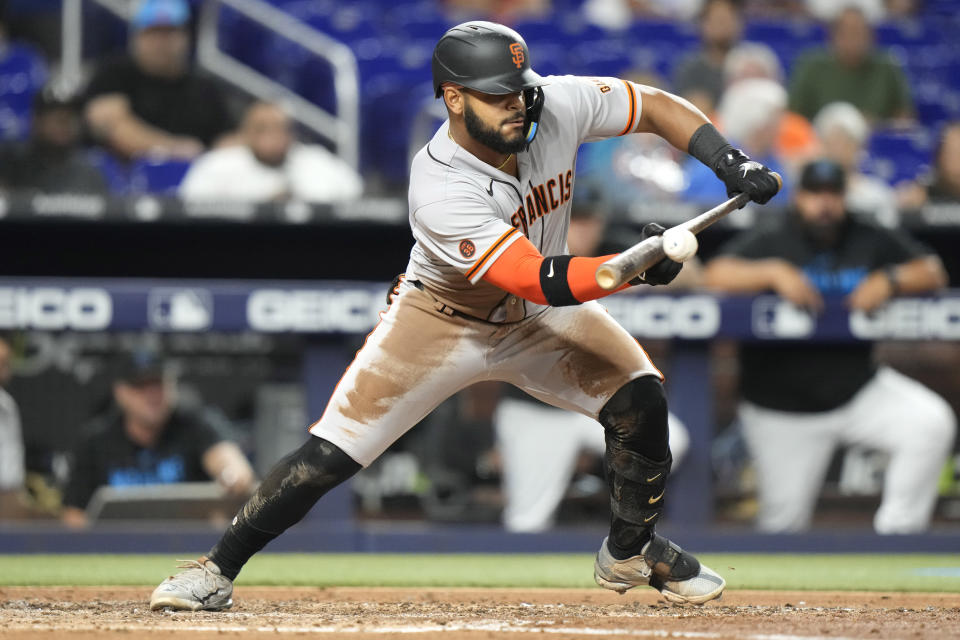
801,401
147,439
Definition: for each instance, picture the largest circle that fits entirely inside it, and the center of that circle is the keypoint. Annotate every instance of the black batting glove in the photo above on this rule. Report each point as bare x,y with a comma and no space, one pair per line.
664,271
742,175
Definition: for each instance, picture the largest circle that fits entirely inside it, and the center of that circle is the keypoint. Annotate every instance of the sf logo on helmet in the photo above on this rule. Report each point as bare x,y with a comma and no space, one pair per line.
517,50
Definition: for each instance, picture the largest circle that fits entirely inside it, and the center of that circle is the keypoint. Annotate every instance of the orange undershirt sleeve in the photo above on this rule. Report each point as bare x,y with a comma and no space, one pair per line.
518,270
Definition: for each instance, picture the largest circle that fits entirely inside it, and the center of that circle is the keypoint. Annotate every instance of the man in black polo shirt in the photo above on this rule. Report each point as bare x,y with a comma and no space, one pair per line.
800,401
153,102
147,439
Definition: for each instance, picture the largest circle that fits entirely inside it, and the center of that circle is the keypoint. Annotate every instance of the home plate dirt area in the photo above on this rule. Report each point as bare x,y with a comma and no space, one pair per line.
278,612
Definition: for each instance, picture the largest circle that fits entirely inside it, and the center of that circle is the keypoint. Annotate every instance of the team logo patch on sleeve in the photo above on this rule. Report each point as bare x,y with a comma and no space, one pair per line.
467,248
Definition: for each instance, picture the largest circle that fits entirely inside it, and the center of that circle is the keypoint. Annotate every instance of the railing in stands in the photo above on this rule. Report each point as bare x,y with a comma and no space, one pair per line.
342,127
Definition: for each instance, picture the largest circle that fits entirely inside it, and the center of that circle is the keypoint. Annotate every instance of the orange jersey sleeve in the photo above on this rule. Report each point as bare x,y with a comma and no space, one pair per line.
523,271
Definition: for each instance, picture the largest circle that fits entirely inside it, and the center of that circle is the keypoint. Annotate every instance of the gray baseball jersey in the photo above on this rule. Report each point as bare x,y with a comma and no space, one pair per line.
464,213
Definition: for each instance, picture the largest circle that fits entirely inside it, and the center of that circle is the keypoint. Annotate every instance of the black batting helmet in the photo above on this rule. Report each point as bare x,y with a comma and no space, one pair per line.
490,58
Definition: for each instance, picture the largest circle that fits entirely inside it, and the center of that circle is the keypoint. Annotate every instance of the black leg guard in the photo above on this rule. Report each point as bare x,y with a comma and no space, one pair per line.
637,462
289,491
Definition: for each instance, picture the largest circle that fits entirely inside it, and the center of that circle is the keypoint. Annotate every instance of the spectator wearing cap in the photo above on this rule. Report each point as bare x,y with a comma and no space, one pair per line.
51,160
801,401
11,441
270,165
146,438
153,102
851,70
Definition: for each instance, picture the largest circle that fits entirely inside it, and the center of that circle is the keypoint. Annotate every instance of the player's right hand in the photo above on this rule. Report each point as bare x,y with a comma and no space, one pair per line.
740,174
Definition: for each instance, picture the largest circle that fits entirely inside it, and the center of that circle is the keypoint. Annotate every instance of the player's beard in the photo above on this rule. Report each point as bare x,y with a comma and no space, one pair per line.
490,137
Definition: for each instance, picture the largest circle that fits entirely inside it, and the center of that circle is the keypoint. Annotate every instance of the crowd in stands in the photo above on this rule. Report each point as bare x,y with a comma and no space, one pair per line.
879,79
145,117
849,99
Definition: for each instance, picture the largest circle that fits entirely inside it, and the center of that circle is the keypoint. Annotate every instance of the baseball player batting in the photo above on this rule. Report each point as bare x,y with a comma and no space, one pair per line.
490,293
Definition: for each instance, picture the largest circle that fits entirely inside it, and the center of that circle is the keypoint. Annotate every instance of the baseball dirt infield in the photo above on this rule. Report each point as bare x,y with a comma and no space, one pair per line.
453,613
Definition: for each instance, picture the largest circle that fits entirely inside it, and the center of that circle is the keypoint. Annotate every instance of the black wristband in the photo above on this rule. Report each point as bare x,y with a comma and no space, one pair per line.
553,281
708,146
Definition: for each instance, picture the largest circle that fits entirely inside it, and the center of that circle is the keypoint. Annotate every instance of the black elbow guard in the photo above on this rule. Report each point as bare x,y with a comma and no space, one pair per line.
553,281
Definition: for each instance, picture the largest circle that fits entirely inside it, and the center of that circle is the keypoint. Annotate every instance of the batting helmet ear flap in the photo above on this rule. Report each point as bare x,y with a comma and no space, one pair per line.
533,98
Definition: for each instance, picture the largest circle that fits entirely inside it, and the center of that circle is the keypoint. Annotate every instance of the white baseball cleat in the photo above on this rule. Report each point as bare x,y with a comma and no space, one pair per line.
200,587
676,574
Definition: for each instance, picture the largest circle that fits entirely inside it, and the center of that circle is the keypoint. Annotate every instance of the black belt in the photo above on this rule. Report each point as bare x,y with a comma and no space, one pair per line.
439,305
446,309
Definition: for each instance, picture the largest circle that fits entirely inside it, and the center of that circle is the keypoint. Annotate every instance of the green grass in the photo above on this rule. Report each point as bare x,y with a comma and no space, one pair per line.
869,572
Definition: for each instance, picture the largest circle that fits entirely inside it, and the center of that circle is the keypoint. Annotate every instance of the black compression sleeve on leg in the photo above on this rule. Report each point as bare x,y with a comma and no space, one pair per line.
553,281
637,462
289,491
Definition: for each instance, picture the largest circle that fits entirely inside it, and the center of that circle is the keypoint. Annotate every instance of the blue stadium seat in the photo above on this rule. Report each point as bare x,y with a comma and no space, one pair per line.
115,171
802,32
537,30
897,155
23,72
788,39
907,33
941,8
157,176
347,23
549,59
647,32
243,38
599,59
417,25
387,115
305,8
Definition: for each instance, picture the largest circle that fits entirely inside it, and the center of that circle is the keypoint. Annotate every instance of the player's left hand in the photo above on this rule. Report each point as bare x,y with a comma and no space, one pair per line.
740,174
664,271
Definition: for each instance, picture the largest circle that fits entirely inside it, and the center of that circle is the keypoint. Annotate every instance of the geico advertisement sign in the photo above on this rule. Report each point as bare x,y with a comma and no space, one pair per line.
53,308
910,318
690,317
347,310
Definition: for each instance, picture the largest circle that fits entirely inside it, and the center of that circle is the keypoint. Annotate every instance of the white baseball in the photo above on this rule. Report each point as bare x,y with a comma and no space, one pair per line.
679,244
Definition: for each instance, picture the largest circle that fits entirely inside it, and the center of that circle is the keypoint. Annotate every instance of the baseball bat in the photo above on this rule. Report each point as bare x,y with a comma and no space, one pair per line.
643,255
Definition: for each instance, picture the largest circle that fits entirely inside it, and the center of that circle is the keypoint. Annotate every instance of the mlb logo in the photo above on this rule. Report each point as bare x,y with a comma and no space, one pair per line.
774,317
180,309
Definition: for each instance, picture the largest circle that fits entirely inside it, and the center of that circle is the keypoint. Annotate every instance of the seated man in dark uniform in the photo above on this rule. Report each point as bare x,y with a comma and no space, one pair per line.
801,401
147,439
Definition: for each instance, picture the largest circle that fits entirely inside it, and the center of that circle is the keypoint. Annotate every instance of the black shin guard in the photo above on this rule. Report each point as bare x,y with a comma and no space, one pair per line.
289,491
637,462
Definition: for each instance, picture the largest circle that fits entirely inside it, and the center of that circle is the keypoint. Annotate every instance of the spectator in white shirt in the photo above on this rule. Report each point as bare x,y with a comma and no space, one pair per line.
11,441
270,165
